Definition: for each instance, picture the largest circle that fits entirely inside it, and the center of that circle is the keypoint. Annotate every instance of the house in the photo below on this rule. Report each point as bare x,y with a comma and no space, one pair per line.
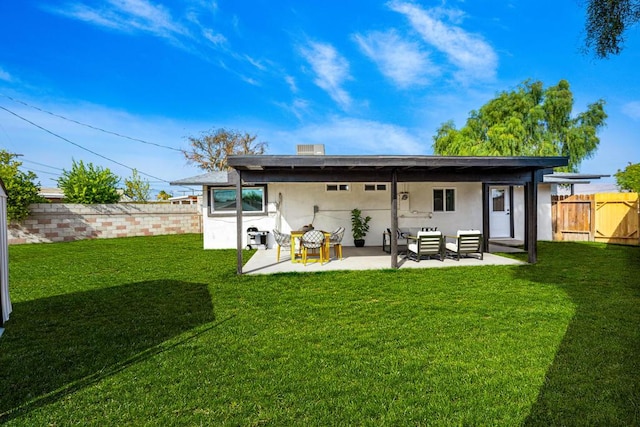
184,200
568,184
52,194
505,197
5,301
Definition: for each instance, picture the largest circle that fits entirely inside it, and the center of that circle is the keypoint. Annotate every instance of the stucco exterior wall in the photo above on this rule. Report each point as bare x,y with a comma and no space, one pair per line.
290,206
544,212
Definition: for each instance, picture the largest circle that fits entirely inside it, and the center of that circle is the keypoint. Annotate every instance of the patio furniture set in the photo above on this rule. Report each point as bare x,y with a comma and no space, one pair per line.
311,245
315,245
434,243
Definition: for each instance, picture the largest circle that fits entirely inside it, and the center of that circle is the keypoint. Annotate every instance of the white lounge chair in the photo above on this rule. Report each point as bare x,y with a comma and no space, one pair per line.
465,242
426,243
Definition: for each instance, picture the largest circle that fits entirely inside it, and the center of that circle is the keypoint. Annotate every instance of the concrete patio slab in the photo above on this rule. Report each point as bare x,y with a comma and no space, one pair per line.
367,258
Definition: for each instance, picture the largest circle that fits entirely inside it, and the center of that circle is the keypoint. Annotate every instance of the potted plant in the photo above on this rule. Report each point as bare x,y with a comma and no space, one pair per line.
359,227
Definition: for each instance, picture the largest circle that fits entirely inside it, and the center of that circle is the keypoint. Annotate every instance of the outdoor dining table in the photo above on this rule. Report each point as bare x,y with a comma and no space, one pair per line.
324,250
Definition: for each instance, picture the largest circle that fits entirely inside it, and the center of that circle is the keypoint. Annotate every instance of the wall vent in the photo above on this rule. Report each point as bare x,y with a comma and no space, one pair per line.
310,149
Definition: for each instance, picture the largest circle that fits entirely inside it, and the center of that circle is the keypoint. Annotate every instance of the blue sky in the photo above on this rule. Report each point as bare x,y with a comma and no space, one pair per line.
361,77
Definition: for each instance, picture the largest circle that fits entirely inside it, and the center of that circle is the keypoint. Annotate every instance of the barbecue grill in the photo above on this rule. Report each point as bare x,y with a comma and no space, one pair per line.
256,238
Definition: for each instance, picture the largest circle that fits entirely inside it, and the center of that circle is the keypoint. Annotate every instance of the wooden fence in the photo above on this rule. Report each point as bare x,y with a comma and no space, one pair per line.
602,217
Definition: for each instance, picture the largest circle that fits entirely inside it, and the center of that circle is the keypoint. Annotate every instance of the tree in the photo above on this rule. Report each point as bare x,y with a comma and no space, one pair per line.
629,178
22,190
528,121
607,21
89,184
211,149
163,195
136,188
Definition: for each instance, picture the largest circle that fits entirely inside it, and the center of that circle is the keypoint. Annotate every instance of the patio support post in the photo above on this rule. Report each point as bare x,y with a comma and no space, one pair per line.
512,229
486,227
394,219
531,218
239,221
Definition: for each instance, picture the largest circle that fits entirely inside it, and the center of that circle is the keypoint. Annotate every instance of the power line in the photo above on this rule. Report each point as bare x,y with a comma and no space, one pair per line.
41,164
90,126
80,146
48,173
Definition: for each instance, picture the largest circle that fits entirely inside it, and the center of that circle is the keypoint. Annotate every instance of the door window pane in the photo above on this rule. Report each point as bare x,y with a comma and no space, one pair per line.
497,197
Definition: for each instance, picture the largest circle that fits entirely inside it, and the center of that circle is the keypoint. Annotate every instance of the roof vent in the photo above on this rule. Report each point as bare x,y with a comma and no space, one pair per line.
310,149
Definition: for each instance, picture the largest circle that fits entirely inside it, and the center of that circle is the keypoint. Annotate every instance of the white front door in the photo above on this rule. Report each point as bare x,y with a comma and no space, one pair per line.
499,212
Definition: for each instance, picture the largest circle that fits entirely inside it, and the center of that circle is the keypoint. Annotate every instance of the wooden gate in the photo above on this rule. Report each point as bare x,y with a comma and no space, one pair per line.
602,217
572,217
617,218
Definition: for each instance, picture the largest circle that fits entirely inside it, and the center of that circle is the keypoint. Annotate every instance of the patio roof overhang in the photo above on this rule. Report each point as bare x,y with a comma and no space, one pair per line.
527,171
515,170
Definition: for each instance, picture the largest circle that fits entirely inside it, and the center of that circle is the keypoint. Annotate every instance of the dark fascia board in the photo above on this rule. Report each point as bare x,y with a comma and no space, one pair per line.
263,162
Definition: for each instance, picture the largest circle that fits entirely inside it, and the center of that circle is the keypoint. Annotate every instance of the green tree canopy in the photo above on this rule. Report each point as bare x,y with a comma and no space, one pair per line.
138,189
163,195
527,121
211,149
22,190
89,184
629,178
607,22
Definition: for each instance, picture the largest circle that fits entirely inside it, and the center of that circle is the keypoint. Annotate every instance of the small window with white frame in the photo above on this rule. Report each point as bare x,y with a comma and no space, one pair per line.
375,187
444,200
337,187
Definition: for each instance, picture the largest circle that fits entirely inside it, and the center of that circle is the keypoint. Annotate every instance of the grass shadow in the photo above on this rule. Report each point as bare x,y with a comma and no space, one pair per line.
56,345
595,375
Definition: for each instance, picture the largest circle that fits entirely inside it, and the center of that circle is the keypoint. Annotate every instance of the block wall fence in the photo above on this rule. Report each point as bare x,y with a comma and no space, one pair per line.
62,222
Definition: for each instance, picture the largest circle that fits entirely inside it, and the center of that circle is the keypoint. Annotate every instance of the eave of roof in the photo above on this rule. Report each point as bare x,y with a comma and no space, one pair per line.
210,178
264,162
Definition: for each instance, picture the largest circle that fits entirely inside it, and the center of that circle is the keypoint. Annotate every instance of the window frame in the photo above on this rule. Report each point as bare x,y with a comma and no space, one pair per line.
211,211
376,187
444,199
341,187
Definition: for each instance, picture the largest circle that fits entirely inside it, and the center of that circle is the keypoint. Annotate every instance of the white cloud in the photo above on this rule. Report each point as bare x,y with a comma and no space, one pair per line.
346,135
470,53
256,63
4,75
128,16
398,59
299,107
632,109
291,82
331,71
216,39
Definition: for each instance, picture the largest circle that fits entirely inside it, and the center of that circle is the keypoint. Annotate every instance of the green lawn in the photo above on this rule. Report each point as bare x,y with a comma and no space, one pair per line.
158,331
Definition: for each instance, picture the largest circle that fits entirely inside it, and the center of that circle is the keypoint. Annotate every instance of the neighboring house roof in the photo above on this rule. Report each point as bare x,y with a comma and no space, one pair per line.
51,193
572,178
210,178
566,183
